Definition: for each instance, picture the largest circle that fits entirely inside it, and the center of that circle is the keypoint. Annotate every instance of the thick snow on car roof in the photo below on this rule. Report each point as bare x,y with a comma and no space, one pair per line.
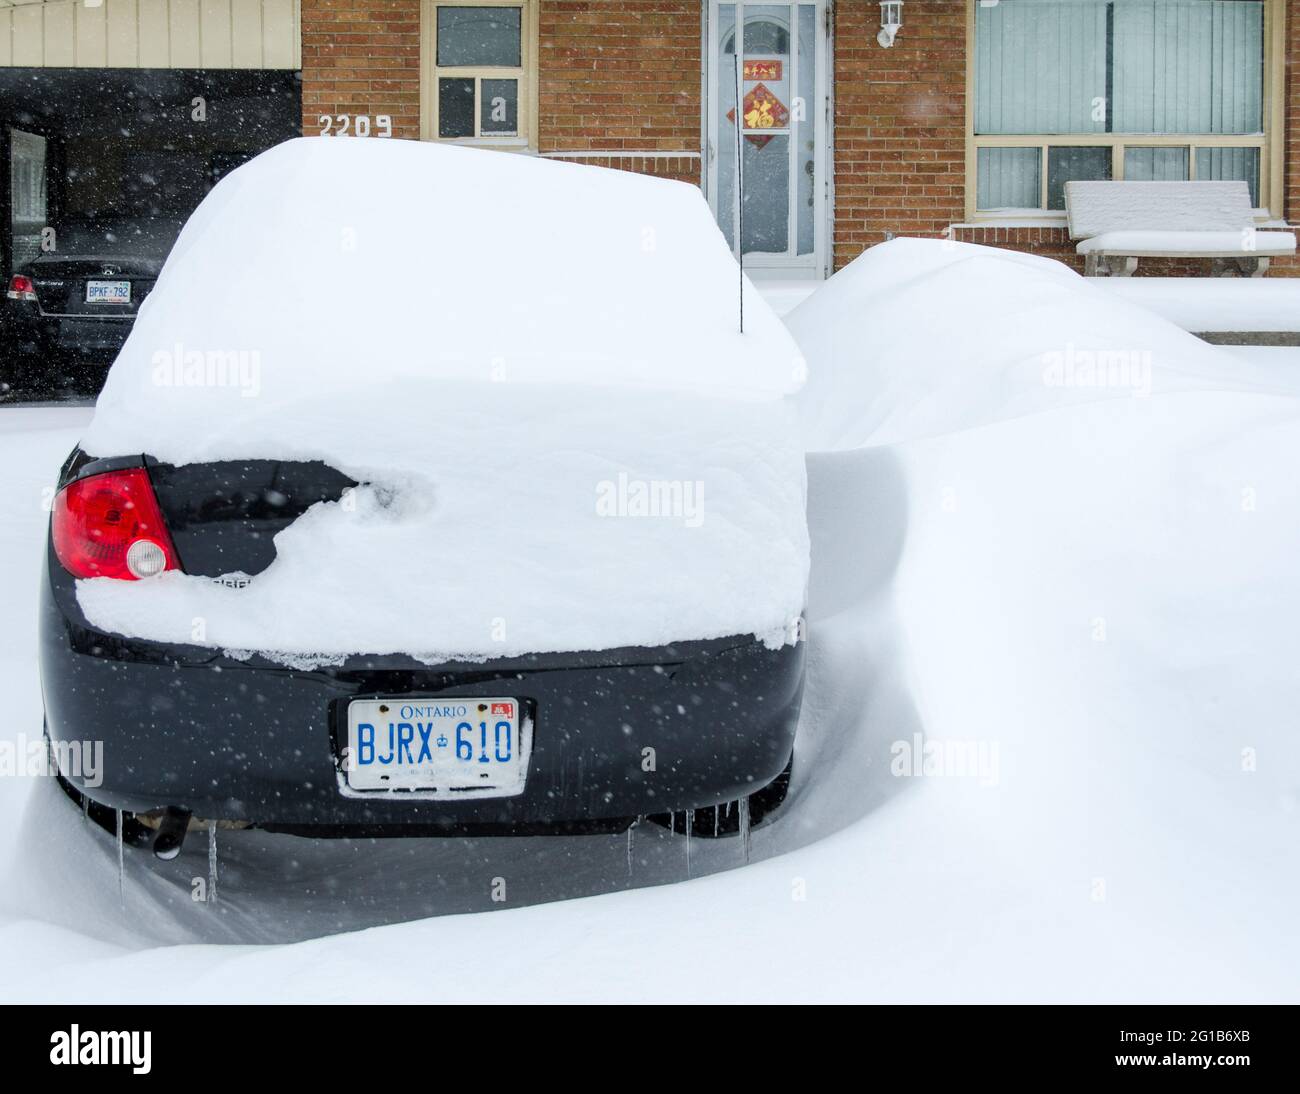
533,369
343,262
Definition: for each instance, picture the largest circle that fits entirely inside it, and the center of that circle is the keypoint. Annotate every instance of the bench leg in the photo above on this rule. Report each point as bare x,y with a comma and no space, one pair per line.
1121,267
1245,266
1091,265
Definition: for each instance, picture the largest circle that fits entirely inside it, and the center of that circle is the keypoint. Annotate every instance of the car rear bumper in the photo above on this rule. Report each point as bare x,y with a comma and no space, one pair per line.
70,335
616,734
73,334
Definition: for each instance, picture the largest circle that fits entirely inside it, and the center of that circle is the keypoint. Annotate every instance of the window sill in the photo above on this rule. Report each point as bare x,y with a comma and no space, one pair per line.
1017,218
1032,218
513,144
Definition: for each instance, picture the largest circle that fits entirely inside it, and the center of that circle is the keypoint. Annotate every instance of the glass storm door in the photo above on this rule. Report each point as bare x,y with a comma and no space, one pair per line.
27,196
773,57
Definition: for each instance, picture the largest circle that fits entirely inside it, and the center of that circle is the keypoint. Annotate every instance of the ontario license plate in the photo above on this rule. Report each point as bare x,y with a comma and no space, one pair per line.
108,292
441,748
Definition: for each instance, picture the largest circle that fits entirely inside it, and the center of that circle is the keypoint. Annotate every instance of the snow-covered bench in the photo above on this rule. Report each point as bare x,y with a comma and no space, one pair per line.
1116,223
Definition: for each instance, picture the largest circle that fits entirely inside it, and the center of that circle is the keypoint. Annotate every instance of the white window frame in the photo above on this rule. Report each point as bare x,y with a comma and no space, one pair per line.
525,73
1269,142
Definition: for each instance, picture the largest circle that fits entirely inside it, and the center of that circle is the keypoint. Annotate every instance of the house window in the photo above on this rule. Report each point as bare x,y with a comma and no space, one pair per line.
1117,89
479,71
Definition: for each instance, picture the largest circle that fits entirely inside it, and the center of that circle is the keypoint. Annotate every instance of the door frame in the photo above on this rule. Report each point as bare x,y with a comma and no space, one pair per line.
817,265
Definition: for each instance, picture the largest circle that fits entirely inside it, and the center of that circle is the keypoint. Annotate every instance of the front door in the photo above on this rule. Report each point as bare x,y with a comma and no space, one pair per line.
775,57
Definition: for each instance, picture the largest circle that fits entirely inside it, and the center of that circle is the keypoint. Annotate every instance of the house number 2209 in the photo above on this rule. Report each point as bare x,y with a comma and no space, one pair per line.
355,125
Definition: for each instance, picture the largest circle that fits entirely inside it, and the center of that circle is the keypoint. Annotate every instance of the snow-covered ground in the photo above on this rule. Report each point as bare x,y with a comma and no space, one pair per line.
1215,303
1086,594
783,296
1271,357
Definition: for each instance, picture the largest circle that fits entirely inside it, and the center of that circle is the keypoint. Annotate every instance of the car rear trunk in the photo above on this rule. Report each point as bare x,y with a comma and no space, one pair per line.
62,287
224,516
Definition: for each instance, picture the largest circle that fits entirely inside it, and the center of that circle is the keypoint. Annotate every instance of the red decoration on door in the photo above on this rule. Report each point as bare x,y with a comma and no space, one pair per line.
763,110
762,70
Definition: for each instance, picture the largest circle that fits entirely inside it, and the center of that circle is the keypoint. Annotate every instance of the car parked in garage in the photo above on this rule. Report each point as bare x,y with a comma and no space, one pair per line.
528,553
73,306
102,165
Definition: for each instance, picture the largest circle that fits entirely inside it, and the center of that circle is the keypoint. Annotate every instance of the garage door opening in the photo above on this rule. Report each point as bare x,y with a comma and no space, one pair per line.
101,168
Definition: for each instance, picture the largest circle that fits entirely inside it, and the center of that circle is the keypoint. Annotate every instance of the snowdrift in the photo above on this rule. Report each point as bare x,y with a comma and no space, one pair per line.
533,367
921,337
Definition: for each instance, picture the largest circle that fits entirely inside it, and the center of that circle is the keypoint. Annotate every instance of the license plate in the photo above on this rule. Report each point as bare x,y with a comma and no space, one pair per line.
437,748
108,292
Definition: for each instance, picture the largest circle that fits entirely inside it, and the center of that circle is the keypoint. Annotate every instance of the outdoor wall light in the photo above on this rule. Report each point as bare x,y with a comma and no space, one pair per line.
891,22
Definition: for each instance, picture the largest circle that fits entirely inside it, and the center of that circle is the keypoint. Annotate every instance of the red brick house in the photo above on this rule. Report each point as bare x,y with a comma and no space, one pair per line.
967,124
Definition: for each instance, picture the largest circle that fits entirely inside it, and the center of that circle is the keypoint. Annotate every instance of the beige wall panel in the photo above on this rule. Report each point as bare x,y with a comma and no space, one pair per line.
91,35
28,35
185,35
246,30
214,30
155,34
123,34
60,35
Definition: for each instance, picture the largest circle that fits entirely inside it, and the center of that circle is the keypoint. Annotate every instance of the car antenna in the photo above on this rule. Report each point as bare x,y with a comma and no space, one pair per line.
740,183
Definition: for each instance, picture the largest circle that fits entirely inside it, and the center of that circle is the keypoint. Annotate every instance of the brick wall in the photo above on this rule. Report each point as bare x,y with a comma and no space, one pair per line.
621,78
618,78
900,117
620,84
361,57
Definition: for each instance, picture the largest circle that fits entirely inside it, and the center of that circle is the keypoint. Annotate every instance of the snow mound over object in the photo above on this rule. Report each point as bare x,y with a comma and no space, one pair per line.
533,368
918,337
342,262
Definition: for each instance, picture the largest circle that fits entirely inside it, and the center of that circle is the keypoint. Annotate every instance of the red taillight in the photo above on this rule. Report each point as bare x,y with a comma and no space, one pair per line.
21,288
109,525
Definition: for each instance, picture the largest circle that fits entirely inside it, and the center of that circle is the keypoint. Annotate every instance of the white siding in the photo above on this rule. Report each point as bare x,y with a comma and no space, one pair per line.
60,38
150,34
155,35
215,33
186,40
280,37
90,35
28,44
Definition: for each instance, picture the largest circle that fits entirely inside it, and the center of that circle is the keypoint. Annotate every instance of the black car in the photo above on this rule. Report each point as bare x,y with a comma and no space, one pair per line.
272,740
695,733
70,309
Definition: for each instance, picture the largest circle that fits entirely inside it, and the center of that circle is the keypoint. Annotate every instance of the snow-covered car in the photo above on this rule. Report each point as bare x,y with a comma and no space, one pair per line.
523,550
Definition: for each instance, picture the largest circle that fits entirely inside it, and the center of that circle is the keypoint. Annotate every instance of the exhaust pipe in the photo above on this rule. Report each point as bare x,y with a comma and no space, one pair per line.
172,828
